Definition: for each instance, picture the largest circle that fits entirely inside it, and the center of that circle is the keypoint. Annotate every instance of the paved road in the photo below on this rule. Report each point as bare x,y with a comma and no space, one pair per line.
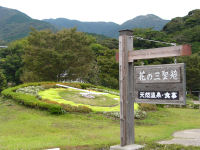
186,138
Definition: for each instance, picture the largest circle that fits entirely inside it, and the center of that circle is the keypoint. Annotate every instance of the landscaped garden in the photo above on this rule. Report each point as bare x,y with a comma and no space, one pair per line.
52,117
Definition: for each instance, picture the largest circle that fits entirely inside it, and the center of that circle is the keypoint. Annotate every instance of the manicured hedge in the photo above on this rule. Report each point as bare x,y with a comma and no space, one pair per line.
31,101
54,108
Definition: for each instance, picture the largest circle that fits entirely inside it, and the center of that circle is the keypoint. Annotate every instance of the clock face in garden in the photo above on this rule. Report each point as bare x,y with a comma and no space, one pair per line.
159,84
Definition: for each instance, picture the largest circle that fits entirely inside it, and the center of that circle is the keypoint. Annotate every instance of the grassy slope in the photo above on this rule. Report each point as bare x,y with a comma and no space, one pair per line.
98,100
24,128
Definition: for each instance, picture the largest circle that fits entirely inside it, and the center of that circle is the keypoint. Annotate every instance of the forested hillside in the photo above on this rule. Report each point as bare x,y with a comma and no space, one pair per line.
15,25
110,29
145,21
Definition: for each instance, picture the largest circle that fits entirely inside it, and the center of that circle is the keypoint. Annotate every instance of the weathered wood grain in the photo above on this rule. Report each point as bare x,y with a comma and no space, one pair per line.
126,89
172,51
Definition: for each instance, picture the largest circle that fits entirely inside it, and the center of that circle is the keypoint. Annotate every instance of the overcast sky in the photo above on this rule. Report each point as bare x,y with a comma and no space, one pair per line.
117,11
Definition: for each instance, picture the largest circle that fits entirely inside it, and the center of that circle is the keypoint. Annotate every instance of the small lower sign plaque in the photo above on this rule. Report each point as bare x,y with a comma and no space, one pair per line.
160,84
154,95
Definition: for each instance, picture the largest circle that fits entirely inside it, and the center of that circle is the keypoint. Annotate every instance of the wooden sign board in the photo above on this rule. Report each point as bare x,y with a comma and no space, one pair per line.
160,84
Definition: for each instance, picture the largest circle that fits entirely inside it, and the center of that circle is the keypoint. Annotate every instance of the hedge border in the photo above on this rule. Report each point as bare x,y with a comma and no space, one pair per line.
33,102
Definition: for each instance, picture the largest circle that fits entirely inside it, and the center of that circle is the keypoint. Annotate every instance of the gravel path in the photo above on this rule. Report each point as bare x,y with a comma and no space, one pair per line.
186,138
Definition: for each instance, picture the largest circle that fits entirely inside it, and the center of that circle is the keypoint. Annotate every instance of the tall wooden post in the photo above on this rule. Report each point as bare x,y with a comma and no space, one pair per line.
126,88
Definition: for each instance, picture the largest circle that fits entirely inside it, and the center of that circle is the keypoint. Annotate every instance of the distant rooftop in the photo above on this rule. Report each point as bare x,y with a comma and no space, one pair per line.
3,46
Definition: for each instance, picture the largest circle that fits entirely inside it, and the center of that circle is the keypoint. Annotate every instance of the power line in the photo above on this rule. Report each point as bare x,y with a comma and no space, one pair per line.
140,38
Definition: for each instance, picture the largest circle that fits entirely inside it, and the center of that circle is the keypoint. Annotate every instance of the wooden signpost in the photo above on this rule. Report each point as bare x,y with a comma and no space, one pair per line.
163,84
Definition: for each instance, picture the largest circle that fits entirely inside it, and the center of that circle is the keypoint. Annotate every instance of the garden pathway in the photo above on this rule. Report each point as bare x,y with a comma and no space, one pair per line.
186,138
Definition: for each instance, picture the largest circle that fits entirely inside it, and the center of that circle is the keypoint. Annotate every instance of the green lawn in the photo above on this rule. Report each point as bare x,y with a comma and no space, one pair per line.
98,100
60,95
25,128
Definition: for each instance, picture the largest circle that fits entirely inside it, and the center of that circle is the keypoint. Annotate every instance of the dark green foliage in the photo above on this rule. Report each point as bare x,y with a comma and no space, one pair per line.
11,60
107,65
3,81
152,35
57,56
181,23
110,43
186,29
192,71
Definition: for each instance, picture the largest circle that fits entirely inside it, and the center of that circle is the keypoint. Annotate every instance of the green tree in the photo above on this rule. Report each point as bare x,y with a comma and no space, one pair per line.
110,43
11,60
192,71
3,82
108,72
55,56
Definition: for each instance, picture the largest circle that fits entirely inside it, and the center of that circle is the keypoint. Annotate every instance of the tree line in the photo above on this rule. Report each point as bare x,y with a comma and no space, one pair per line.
72,55
65,55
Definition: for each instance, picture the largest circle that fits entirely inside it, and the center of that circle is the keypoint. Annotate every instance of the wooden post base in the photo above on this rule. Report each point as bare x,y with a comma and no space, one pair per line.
127,147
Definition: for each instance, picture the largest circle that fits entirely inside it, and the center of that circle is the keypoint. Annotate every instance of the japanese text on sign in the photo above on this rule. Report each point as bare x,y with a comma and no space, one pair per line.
165,95
157,74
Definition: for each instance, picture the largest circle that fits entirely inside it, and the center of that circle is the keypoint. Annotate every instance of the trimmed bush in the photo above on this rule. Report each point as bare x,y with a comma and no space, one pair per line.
3,81
50,85
139,114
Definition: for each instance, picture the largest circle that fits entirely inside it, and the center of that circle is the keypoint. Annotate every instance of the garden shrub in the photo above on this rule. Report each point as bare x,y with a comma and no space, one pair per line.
147,107
69,108
193,106
32,90
50,85
196,98
3,81
193,97
80,108
138,114
83,109
196,106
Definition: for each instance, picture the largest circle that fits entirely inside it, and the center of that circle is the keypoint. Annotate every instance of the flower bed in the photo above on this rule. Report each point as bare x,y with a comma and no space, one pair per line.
50,100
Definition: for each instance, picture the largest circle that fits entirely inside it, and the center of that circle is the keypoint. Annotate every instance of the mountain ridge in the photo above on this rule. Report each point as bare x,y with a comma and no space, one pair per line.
110,29
15,24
